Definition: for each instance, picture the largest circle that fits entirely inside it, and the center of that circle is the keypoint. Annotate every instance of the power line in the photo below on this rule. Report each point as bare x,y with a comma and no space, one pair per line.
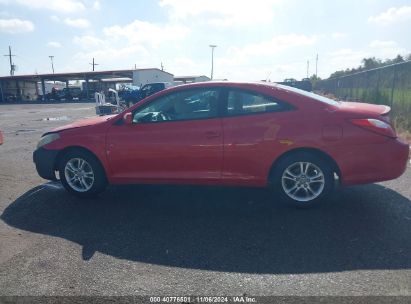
93,64
12,66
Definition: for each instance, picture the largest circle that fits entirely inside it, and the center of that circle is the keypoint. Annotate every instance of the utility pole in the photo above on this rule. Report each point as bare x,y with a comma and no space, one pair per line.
316,67
93,64
52,63
308,68
212,46
162,66
12,66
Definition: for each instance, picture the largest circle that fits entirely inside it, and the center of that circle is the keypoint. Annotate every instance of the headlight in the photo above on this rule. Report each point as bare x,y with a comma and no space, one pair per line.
48,139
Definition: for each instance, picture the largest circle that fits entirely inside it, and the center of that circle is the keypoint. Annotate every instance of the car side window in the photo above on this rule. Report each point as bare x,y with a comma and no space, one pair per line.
184,105
243,102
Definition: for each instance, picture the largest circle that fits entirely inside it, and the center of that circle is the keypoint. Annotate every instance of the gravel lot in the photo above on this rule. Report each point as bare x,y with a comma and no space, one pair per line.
180,240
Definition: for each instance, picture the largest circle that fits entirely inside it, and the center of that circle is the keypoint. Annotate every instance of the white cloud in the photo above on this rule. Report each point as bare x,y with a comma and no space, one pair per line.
77,23
111,53
4,14
273,46
223,13
382,44
114,56
88,42
97,5
279,43
343,59
55,18
386,49
54,44
62,6
15,26
345,52
136,42
338,35
146,32
80,23
263,59
392,15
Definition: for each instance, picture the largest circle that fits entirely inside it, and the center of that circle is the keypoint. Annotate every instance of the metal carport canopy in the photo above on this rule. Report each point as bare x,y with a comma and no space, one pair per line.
96,75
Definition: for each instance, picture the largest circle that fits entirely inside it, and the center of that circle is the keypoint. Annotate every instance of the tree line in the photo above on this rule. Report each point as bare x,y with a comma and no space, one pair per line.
370,63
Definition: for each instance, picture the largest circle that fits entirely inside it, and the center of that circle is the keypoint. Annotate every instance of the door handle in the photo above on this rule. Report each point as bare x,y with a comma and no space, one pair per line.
212,134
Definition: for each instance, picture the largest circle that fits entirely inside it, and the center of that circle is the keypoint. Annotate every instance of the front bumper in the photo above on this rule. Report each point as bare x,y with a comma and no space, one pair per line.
45,161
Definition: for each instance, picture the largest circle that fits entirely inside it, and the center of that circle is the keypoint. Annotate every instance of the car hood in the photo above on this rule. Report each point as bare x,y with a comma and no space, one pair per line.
84,123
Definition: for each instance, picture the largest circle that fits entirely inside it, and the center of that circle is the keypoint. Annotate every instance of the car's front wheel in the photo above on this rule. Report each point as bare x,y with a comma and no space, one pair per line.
303,179
82,174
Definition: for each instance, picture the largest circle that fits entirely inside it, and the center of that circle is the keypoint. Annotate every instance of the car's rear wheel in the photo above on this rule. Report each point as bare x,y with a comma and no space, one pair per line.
82,174
303,179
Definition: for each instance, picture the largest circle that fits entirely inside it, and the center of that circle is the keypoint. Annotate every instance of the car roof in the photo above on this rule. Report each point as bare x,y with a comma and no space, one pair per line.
235,84
230,84
262,84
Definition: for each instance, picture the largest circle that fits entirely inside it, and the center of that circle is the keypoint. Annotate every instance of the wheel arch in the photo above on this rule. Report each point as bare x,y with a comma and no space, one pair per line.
314,151
66,150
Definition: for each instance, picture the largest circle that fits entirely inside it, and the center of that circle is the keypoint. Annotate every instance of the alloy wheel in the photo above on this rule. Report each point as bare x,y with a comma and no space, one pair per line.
79,174
303,181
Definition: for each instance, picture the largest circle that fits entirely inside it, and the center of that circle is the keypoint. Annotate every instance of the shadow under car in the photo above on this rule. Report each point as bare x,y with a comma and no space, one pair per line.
225,229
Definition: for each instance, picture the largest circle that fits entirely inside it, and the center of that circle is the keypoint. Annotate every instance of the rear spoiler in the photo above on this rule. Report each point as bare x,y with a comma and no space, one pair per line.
386,110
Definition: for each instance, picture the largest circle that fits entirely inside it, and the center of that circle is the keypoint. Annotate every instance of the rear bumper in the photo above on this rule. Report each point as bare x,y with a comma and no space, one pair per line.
374,163
45,163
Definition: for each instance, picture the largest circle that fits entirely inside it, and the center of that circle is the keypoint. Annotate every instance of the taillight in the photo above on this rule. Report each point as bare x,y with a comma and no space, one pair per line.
375,125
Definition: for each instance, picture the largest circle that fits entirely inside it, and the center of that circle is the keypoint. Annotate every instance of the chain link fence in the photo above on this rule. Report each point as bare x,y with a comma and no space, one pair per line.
389,85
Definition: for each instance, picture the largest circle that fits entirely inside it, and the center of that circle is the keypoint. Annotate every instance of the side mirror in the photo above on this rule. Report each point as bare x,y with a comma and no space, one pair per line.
128,118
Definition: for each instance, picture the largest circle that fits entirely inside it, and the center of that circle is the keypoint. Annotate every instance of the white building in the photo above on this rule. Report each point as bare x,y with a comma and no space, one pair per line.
190,79
143,76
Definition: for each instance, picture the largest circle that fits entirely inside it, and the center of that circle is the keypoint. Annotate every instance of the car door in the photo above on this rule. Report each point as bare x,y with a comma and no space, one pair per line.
175,138
251,125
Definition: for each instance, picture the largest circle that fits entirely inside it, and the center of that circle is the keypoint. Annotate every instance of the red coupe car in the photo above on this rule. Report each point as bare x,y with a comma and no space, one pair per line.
226,133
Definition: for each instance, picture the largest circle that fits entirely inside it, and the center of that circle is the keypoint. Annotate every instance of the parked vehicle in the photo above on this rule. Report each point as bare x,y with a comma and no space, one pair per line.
128,94
69,93
147,90
237,134
9,97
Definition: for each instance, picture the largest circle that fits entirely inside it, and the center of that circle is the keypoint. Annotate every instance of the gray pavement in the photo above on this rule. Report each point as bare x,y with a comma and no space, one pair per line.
182,240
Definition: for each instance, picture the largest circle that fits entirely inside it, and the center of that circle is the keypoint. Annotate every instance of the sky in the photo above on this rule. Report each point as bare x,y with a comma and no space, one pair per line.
256,40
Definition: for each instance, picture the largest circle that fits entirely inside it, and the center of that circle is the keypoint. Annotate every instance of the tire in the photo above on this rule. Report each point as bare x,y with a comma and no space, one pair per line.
303,179
82,174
